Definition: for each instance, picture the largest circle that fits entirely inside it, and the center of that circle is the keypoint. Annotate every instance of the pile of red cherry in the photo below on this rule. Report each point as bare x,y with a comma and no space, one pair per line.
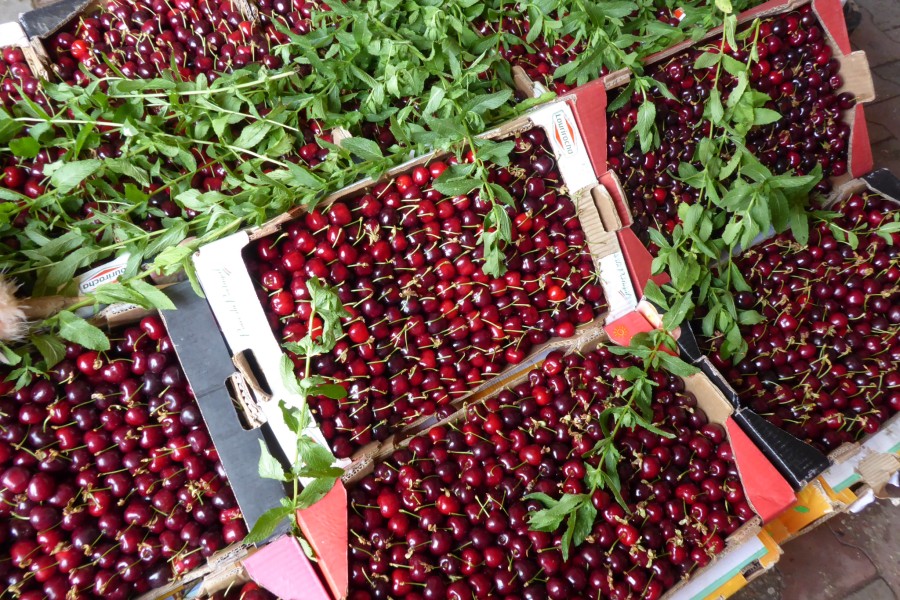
445,516
109,481
796,69
16,74
23,176
538,58
142,38
823,363
427,324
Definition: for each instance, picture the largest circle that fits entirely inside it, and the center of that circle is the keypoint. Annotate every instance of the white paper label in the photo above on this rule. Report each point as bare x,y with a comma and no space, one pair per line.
574,163
616,283
106,273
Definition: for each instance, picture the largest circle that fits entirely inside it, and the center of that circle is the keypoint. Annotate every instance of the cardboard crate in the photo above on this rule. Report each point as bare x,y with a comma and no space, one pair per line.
207,365
228,285
857,79
767,493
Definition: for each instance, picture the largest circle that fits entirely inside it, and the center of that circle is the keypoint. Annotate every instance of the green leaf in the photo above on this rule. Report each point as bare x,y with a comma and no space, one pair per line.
67,176
331,390
646,118
655,295
51,349
315,491
750,317
483,103
269,467
266,524
706,60
252,135
24,147
676,315
449,185
364,148
714,104
75,329
676,366
765,116
153,296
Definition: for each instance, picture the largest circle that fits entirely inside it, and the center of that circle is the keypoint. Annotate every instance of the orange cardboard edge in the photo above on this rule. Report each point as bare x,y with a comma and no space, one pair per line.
639,261
767,491
324,525
283,569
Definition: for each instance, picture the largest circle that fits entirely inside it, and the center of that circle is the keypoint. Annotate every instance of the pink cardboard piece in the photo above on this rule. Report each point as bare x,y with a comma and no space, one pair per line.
284,570
324,524
768,492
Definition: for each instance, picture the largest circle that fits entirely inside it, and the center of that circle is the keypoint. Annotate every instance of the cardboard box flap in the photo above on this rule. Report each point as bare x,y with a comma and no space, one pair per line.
877,470
797,461
590,114
857,76
640,261
207,364
45,21
324,524
283,569
614,188
884,182
768,493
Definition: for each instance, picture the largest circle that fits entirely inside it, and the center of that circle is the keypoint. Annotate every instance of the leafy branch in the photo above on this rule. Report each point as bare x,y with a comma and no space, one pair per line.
314,463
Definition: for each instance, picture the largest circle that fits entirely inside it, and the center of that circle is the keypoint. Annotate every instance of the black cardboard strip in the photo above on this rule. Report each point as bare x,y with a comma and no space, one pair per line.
798,462
884,182
207,364
46,20
687,343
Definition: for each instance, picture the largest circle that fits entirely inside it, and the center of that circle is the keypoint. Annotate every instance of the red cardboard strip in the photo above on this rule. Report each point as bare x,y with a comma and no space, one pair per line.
768,492
861,161
283,569
831,14
589,105
639,261
324,524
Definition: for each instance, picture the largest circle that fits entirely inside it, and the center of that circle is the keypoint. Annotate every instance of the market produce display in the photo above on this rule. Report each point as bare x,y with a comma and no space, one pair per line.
793,66
401,305
427,322
457,513
823,362
110,482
